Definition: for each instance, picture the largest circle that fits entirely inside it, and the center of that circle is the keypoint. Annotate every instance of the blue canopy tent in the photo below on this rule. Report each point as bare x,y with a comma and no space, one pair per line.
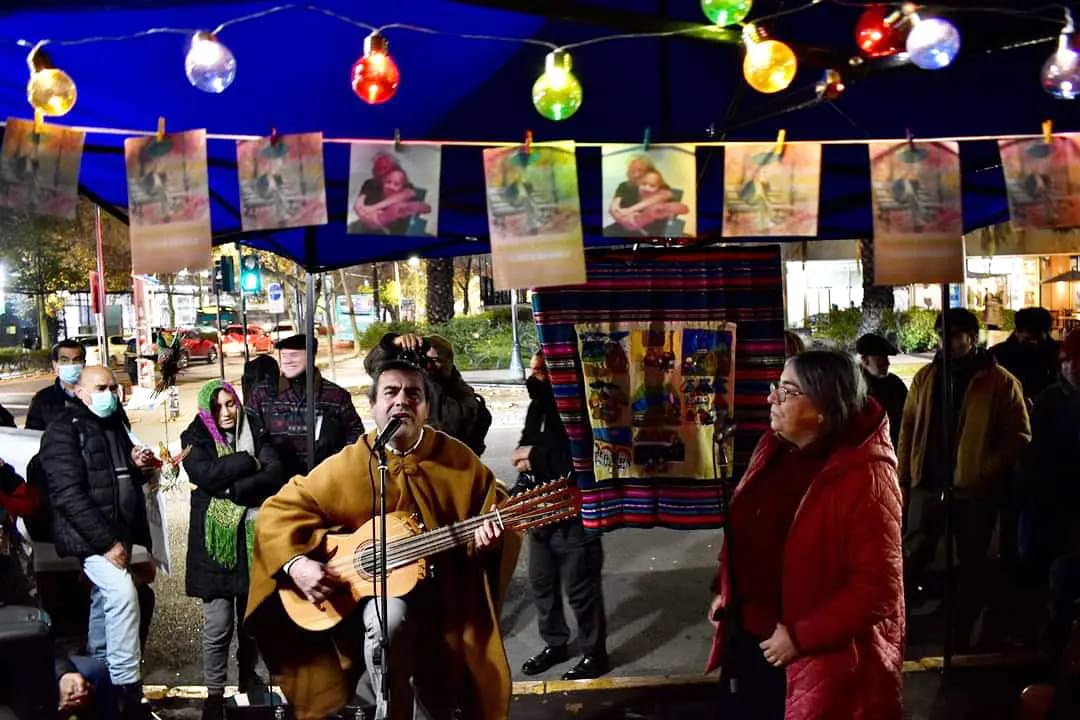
293,69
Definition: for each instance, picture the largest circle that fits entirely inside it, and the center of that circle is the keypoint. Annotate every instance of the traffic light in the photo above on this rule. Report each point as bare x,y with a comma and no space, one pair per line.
228,275
250,275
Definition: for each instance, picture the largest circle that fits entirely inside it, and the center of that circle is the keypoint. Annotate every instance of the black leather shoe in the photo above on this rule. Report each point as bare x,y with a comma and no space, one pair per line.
544,659
588,668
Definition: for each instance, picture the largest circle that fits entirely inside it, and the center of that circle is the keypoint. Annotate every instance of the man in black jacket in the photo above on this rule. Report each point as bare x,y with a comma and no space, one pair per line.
888,389
562,555
68,359
95,475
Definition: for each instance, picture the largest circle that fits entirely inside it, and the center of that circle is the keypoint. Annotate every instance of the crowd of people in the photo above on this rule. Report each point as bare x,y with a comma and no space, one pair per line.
831,534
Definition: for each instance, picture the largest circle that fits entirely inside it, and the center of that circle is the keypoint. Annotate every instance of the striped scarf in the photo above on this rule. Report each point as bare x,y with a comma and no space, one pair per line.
223,517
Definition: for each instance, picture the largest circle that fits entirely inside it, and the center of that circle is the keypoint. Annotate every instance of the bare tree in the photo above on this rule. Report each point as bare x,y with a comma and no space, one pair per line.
463,276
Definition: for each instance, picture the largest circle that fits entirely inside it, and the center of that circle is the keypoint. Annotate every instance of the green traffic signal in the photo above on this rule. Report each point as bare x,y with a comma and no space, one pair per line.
250,274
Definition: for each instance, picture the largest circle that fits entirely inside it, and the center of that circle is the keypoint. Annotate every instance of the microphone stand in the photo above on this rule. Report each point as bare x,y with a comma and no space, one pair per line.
383,570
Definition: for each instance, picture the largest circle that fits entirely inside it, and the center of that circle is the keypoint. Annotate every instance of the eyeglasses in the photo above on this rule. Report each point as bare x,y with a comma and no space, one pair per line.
782,393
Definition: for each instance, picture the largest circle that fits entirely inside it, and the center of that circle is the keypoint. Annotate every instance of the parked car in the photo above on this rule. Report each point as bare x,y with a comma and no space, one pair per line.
233,341
197,344
281,331
117,345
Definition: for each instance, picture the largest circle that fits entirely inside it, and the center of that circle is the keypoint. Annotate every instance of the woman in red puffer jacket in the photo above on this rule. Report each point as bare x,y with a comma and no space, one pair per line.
809,602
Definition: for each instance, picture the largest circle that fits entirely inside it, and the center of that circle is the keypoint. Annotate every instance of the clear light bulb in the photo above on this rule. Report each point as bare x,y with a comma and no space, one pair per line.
209,65
933,43
1061,71
557,93
769,65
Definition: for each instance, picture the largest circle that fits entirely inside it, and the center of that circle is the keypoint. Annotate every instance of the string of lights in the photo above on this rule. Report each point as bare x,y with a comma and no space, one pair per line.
919,34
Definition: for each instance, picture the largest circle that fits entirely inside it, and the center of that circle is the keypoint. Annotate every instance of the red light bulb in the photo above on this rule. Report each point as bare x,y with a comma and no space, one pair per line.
878,34
375,76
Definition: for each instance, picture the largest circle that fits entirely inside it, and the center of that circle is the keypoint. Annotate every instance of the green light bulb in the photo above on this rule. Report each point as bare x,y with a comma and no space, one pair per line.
726,12
557,93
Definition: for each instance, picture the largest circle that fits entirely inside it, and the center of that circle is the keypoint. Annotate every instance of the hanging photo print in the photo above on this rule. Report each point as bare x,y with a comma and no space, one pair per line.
769,192
918,223
649,193
39,171
281,181
394,192
1042,181
168,202
655,393
534,216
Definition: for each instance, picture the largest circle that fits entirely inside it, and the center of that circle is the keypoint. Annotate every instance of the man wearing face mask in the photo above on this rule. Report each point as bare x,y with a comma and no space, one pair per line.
283,410
95,476
68,359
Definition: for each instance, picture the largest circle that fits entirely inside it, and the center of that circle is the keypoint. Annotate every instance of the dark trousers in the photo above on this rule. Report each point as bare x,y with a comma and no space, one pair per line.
973,519
760,690
566,557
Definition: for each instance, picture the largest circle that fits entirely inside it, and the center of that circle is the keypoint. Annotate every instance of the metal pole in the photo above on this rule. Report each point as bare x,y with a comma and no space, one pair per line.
102,330
397,280
328,294
309,395
947,477
517,370
220,355
243,320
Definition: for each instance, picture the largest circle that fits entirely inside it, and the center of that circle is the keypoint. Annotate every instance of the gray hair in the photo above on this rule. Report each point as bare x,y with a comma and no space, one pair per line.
834,383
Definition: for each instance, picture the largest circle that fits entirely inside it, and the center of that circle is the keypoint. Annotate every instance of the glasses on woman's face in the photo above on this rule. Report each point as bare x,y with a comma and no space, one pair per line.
782,393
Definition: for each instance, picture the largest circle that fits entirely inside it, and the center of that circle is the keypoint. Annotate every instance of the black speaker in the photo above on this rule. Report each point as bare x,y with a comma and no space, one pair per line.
28,684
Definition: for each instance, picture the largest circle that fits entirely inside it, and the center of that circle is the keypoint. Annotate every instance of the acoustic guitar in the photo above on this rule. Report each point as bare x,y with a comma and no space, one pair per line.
355,556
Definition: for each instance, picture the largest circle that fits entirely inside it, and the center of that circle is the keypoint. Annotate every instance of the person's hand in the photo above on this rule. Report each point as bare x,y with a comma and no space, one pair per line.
715,607
74,691
780,648
314,579
117,555
520,458
143,457
409,341
487,534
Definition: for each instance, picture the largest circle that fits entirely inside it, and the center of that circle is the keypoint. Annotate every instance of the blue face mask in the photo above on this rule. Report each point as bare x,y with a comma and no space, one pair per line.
104,403
70,373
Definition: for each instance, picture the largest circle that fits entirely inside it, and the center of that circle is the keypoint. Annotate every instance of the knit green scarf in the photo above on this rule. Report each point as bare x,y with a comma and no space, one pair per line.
223,517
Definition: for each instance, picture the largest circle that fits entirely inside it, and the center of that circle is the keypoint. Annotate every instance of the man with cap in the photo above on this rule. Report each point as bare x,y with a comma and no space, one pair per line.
1052,474
283,410
455,408
883,386
989,430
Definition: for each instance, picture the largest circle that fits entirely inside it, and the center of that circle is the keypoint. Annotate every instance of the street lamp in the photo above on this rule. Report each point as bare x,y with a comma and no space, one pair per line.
414,262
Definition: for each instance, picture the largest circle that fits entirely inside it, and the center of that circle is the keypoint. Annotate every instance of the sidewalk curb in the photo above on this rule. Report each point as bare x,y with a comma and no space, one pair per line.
551,687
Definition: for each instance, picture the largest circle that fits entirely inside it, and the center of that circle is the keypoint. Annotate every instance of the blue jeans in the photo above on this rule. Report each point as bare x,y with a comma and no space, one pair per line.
97,674
117,603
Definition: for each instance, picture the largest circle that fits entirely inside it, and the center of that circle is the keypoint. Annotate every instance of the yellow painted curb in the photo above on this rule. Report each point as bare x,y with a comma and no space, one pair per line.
548,687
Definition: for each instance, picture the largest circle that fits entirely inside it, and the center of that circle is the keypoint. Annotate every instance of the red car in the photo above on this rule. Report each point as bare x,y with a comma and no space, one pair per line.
197,344
233,342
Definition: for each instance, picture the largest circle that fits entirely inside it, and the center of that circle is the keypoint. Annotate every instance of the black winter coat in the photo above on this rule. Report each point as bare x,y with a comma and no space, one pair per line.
47,405
544,431
236,477
84,494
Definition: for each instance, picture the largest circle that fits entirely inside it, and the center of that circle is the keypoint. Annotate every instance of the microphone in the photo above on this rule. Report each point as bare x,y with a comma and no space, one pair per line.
725,431
387,432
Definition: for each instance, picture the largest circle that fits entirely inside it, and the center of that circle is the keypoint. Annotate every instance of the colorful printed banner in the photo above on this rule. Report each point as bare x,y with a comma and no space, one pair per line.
394,192
649,193
655,392
534,216
1042,181
771,194
168,202
39,172
281,181
918,224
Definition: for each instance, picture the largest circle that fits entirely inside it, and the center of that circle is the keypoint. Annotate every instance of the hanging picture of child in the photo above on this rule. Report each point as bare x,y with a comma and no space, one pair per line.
649,193
168,202
534,216
281,181
771,193
39,171
394,191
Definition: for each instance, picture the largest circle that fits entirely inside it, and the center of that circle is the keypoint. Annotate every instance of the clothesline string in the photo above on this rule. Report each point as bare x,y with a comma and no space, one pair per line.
512,143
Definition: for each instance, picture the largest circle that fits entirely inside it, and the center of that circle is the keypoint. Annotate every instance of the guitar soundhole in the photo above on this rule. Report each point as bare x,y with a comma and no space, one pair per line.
366,560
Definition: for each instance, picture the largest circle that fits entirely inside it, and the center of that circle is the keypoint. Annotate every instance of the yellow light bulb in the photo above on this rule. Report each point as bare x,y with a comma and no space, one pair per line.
51,91
769,65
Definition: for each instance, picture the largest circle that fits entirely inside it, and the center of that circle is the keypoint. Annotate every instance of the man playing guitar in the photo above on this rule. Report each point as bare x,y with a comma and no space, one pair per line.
446,650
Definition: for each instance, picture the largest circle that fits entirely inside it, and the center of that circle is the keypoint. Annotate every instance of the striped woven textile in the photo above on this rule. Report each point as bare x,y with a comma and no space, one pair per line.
743,285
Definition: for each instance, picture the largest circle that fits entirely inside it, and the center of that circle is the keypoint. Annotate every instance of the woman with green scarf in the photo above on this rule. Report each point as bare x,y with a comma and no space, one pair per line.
233,468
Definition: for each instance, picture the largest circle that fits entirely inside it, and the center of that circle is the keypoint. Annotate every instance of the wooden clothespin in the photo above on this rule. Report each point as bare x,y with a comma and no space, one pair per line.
161,128
645,141
1048,131
39,122
910,139
397,140
528,143
778,149
274,139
